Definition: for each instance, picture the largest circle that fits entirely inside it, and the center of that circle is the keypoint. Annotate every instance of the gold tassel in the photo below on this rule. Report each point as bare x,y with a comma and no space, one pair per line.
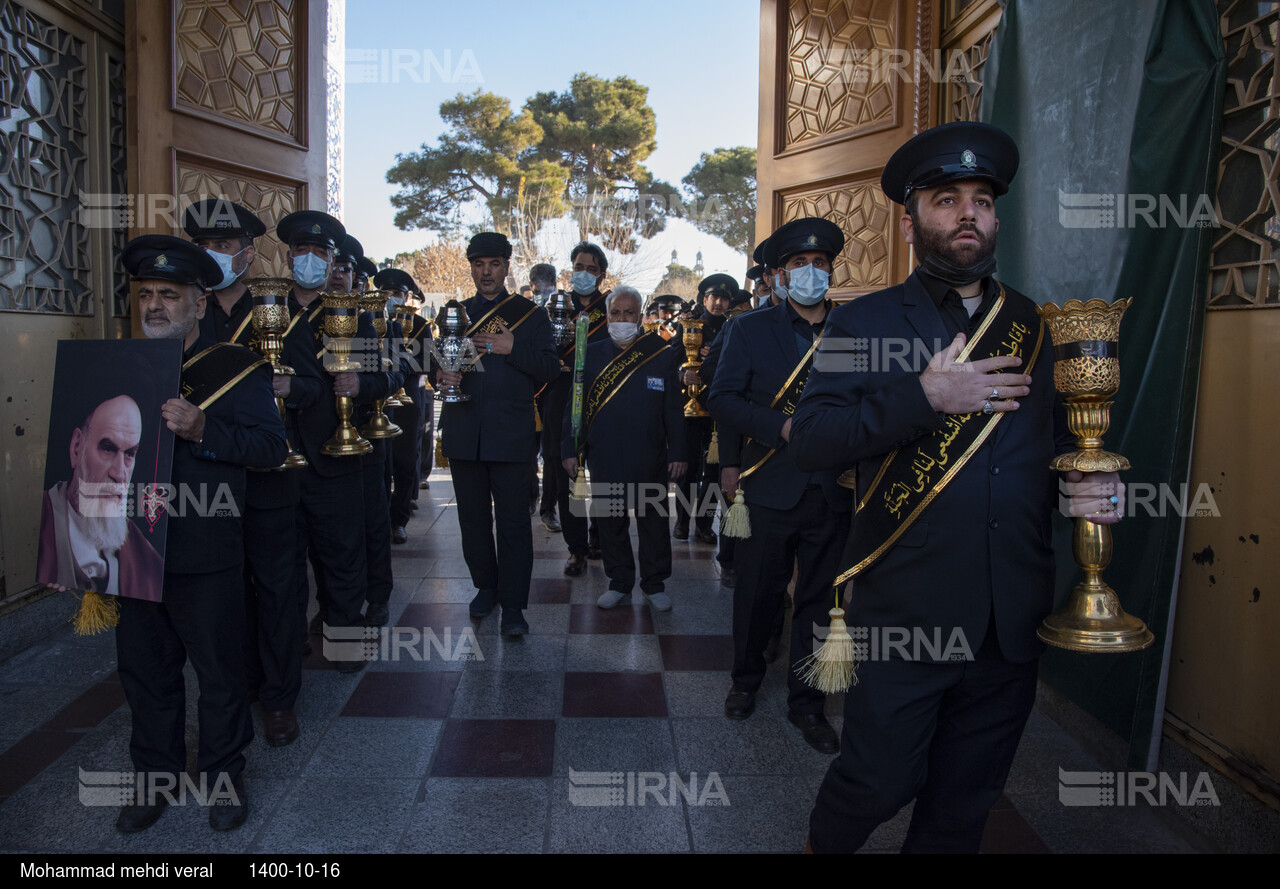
442,462
97,613
713,449
537,420
830,669
737,522
580,489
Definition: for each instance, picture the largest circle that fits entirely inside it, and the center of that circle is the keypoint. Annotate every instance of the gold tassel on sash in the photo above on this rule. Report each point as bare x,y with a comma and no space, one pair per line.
442,462
830,669
737,522
580,489
537,420
713,449
97,613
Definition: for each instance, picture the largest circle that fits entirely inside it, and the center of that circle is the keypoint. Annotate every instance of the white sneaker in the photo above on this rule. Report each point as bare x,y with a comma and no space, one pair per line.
610,598
660,601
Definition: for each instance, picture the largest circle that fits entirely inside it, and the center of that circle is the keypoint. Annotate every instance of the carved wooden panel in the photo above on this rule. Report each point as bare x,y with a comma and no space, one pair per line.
867,219
962,91
240,61
269,198
1243,267
45,251
838,52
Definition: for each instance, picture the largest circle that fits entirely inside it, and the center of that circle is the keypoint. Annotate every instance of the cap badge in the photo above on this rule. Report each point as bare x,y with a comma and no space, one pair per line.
162,261
967,159
812,241
315,228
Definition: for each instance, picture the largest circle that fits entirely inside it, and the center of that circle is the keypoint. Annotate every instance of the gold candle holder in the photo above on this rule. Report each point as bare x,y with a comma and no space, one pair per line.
379,425
270,314
693,361
341,321
1086,371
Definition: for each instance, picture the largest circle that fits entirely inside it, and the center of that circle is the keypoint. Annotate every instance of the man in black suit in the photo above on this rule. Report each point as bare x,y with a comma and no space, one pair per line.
580,535
406,449
951,542
225,421
715,295
227,232
489,439
632,441
796,516
331,513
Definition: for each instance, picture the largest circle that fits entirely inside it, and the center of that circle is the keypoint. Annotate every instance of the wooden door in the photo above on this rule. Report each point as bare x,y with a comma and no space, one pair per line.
843,83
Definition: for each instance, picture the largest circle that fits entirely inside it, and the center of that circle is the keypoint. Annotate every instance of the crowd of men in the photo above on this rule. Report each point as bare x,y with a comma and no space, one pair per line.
780,413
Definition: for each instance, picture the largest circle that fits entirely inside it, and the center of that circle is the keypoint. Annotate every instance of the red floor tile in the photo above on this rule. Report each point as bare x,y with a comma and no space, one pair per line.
495,748
623,620
696,652
614,695
426,695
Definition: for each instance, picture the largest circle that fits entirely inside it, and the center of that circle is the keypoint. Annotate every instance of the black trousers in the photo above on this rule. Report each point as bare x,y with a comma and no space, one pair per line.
427,449
574,526
814,535
275,623
200,619
331,524
406,457
701,480
489,493
654,528
377,526
942,733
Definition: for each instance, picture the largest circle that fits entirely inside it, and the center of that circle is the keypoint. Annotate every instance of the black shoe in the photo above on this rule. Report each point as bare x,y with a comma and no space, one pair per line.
513,622
575,566
703,535
376,615
593,554
134,819
399,534
280,727
740,704
549,522
681,531
818,733
771,650
413,505
728,577
230,814
484,603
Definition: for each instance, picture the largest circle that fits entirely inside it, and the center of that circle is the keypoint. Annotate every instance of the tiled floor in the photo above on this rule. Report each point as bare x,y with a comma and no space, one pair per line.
460,740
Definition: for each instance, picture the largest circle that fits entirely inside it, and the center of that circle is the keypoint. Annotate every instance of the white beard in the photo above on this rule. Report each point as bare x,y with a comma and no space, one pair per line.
108,529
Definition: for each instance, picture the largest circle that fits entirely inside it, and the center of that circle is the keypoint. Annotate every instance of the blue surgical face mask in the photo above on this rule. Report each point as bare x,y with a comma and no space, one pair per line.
808,285
584,283
224,262
310,271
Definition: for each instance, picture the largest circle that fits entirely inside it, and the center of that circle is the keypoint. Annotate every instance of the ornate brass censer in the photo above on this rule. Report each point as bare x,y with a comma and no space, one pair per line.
1086,371
270,315
379,425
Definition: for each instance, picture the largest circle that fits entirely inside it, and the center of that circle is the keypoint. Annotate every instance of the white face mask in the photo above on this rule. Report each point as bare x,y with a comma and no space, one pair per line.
623,332
584,283
808,285
224,262
310,271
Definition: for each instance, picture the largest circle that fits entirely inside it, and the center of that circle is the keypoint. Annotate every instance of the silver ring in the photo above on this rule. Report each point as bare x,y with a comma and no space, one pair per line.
987,407
995,393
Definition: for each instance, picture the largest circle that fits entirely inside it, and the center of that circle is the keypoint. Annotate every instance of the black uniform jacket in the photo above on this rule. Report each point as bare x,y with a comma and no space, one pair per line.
241,429
757,358
497,423
984,541
636,433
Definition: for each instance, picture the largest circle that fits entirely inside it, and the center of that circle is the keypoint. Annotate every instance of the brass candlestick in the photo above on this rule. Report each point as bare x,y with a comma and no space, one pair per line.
341,320
1086,371
270,315
379,425
693,361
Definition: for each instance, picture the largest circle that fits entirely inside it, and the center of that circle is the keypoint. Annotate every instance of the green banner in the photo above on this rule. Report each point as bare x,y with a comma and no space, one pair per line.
1116,109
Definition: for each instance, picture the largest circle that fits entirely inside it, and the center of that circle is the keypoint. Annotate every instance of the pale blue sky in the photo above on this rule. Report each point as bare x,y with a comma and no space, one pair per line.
699,58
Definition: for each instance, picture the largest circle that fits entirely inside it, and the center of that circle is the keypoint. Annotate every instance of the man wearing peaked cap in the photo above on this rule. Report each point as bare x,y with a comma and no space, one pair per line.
310,227
225,421
489,439
366,270
406,448
796,517
951,540
346,258
275,624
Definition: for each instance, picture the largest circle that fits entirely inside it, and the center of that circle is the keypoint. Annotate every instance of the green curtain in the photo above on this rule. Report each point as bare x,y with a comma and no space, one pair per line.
1106,101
